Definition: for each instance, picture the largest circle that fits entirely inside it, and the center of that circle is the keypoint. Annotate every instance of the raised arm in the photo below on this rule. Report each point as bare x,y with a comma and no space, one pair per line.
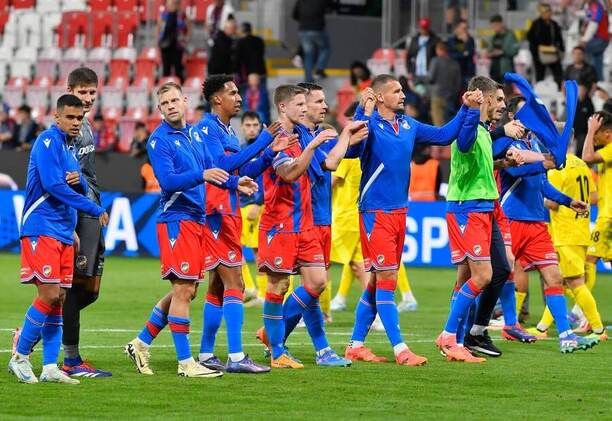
469,130
353,133
589,154
444,135
551,193
160,155
234,161
290,169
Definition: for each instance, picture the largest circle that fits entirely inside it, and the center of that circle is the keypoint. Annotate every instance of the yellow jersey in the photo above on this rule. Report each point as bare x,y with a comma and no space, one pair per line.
345,196
575,180
604,189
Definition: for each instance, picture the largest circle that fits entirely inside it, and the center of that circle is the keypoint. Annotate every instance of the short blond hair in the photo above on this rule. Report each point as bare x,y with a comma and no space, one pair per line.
168,86
286,93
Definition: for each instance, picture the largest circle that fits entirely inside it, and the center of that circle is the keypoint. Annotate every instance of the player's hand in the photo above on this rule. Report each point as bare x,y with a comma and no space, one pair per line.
579,207
247,186
549,162
514,129
515,157
357,130
594,123
216,176
325,136
76,242
274,128
73,178
367,95
253,213
282,141
473,99
103,219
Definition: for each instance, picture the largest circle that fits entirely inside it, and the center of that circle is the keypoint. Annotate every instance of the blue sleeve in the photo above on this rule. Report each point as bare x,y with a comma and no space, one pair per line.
498,133
526,170
259,196
551,193
170,181
256,167
444,135
500,146
52,178
360,114
354,151
236,160
469,130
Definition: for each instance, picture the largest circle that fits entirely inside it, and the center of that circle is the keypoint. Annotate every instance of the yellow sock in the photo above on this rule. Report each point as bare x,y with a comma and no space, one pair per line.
325,298
262,285
590,275
345,281
290,290
520,299
587,303
246,277
547,319
402,280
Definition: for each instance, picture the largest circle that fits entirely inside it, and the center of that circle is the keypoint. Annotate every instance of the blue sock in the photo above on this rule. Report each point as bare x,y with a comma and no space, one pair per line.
508,303
212,314
459,311
233,313
555,300
32,326
52,336
296,304
179,327
157,321
385,305
313,318
365,313
274,323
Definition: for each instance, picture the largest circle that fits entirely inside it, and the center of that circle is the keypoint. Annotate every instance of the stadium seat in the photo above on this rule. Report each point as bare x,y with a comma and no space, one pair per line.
29,32
154,120
119,68
48,6
125,53
127,5
73,5
151,10
73,29
98,57
151,53
145,67
49,34
144,82
192,88
100,5
112,94
4,5
21,64
14,91
73,58
101,34
127,127
56,91
46,65
199,8
4,17
3,74
37,94
195,64
24,4
138,95
125,29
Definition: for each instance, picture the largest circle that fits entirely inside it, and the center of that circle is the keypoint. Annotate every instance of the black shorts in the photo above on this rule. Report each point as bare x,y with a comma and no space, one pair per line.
90,259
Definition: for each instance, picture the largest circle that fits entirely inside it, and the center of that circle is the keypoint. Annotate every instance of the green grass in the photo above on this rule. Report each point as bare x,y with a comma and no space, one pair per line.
529,381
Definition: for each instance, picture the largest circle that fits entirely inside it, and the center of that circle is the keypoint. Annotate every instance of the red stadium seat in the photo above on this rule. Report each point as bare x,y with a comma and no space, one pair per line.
145,68
24,4
169,79
14,90
119,82
4,5
144,82
195,64
73,28
200,7
4,17
57,90
127,5
119,68
151,9
100,5
37,94
138,96
125,29
112,96
127,127
192,88
101,29
151,53
153,121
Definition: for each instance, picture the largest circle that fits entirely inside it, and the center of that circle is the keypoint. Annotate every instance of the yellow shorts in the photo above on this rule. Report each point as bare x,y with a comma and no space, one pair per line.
572,260
250,229
346,247
601,239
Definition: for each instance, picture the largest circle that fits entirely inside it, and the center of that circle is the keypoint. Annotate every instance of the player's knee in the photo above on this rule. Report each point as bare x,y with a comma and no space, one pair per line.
482,277
318,284
184,292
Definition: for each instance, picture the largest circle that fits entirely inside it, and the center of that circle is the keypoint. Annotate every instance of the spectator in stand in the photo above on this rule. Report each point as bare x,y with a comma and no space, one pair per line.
255,98
425,176
580,69
103,135
421,50
445,80
314,40
451,12
250,55
138,147
25,131
546,45
217,15
503,47
6,126
173,30
361,77
584,110
595,36
222,52
413,103
462,48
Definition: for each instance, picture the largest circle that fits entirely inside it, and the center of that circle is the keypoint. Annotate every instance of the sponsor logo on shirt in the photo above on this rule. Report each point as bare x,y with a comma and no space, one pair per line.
153,142
205,130
47,142
85,150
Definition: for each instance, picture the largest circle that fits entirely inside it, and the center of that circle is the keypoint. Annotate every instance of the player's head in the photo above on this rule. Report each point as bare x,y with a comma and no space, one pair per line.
69,114
514,106
491,101
290,101
315,102
441,49
497,23
222,94
83,83
251,125
603,136
172,104
389,93
500,97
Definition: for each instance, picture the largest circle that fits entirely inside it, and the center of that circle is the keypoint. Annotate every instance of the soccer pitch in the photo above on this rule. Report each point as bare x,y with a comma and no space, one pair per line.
528,381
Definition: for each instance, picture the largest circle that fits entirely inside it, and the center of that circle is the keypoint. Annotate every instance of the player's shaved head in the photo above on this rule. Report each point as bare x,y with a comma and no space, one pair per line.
381,80
285,93
485,84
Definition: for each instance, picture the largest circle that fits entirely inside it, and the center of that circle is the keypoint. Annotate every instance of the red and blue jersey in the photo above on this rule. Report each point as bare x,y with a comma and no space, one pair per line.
386,156
50,203
224,147
287,206
595,12
179,158
524,188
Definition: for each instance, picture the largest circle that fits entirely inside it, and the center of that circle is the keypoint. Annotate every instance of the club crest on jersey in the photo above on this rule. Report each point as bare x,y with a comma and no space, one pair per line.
278,261
231,255
185,267
172,242
405,125
197,137
47,270
477,250
47,142
153,142
380,259
205,130
177,143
